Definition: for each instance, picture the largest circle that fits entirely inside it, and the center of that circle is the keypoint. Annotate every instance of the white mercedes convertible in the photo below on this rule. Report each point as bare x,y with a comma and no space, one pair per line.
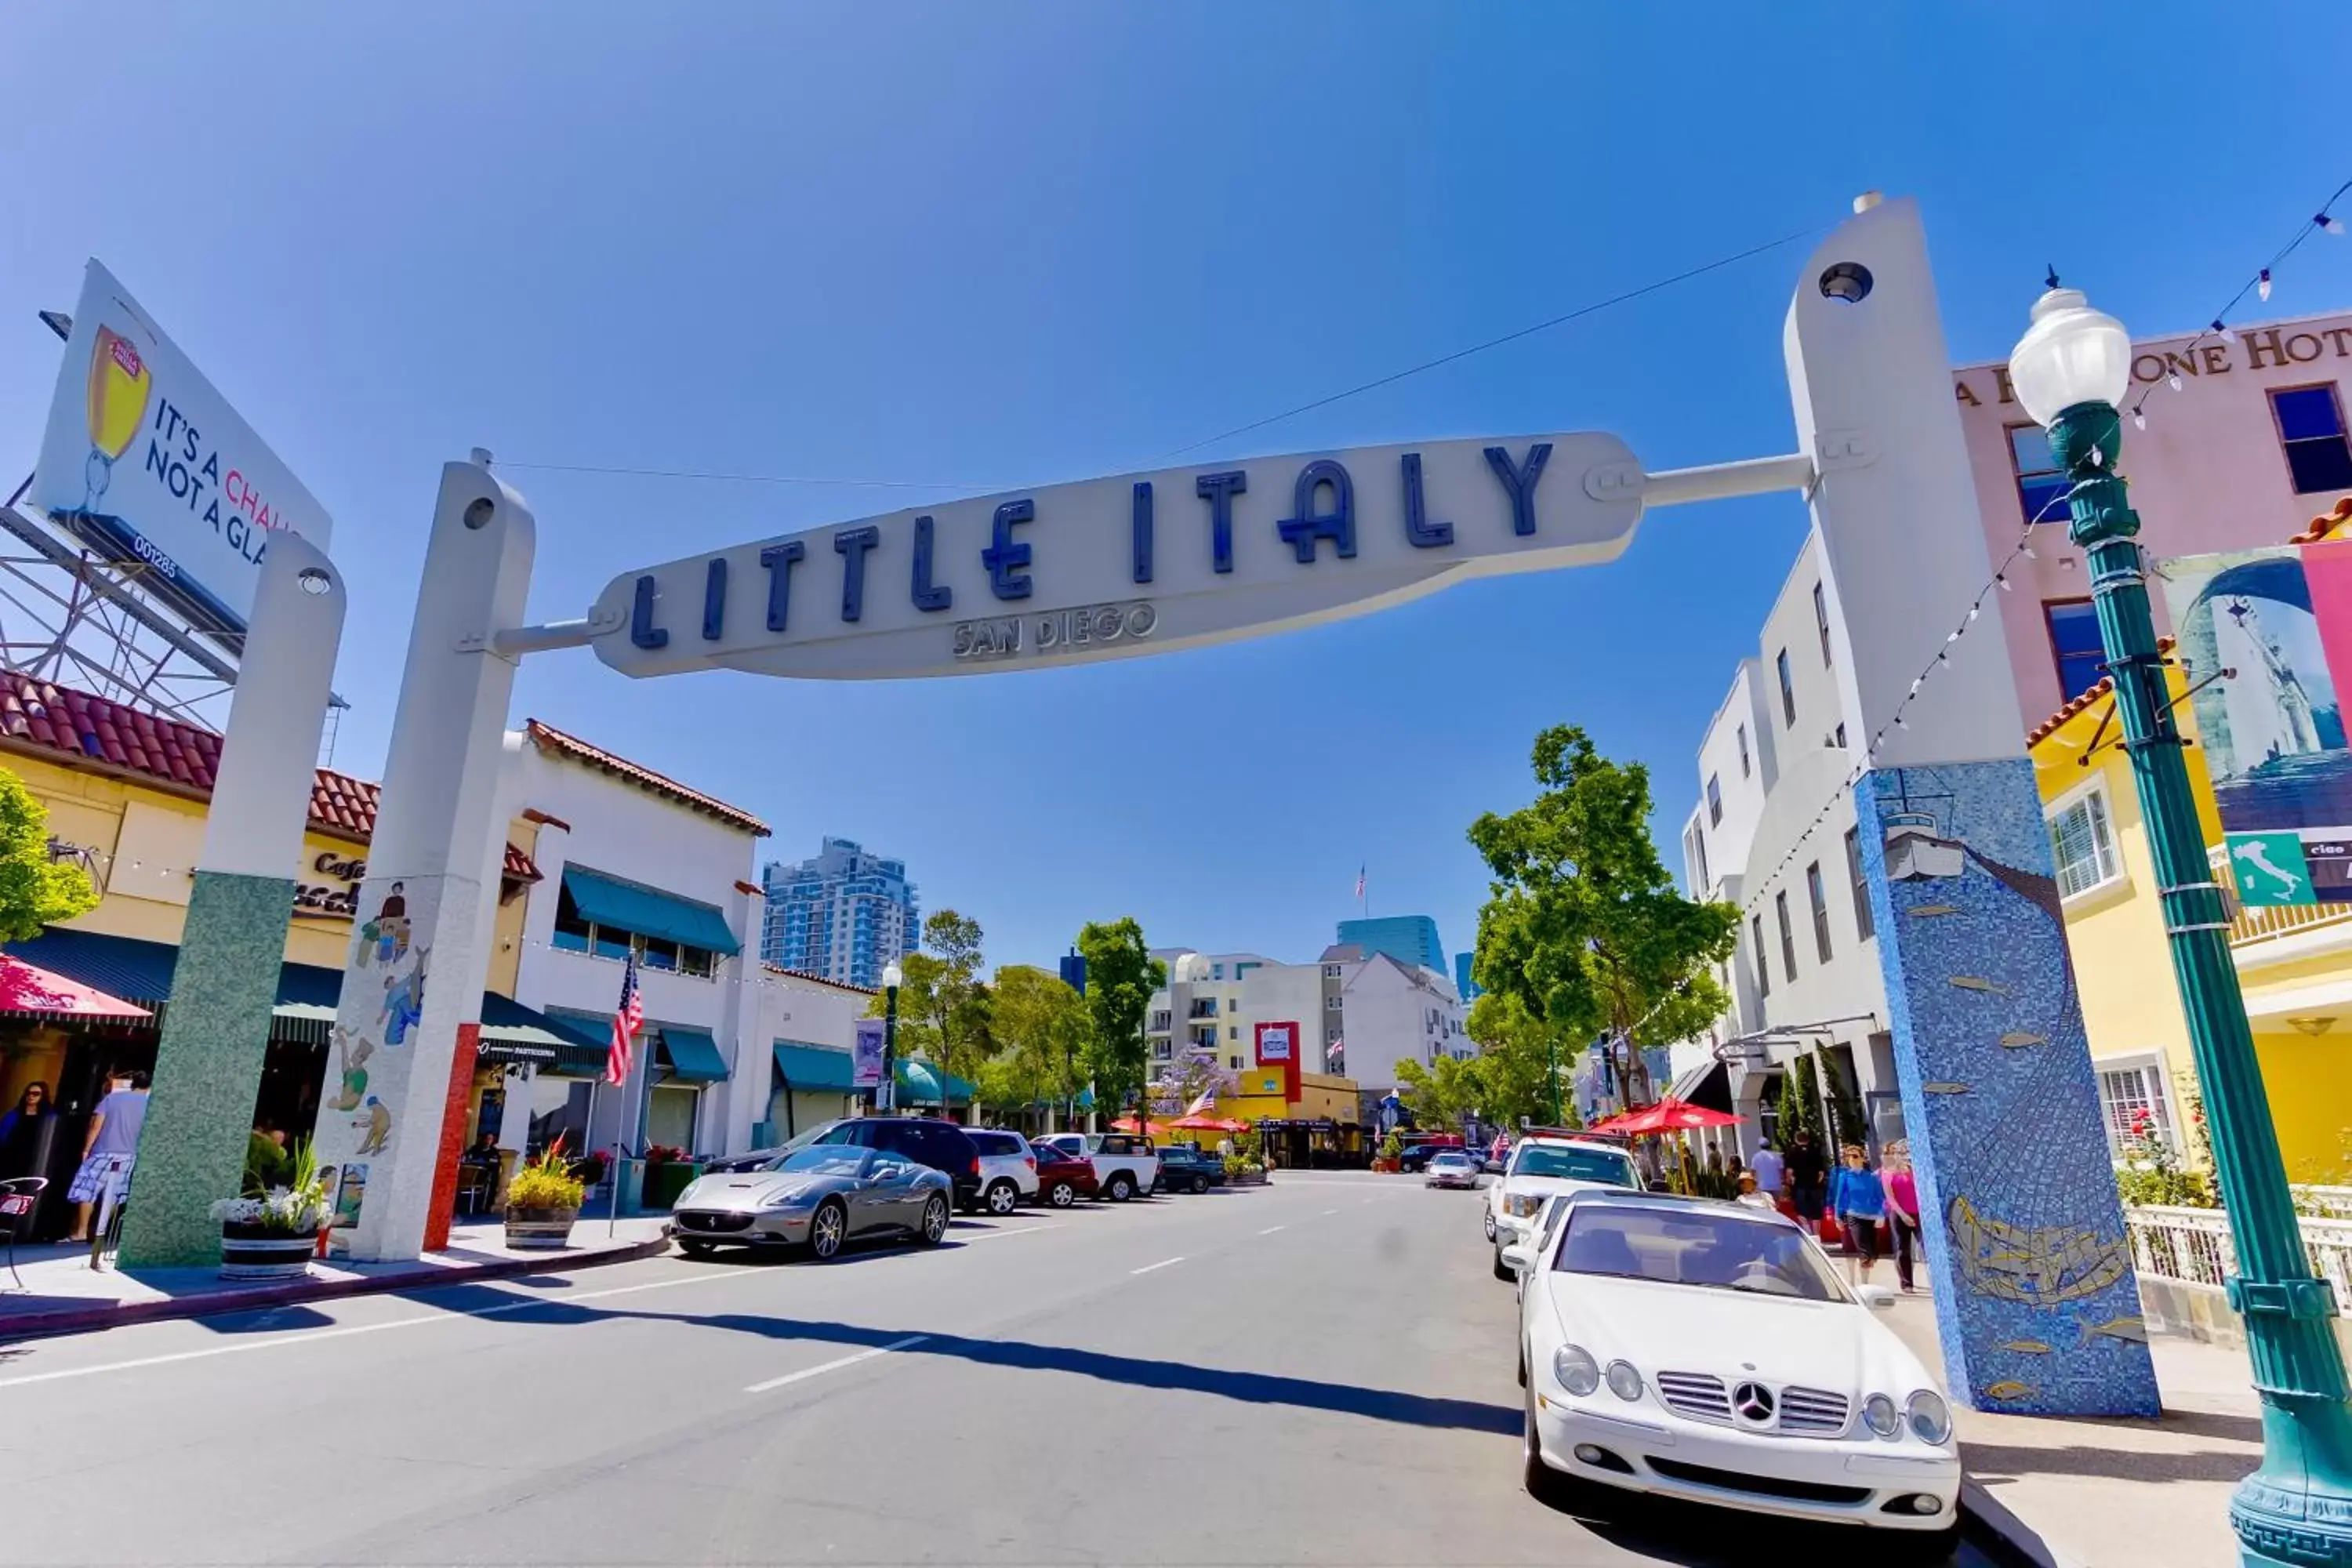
1708,1352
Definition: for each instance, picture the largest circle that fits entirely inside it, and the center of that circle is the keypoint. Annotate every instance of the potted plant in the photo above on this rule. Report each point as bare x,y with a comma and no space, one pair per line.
542,1200
271,1231
1391,1157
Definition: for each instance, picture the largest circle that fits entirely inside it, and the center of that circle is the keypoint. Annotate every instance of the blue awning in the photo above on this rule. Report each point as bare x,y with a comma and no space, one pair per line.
692,1056
815,1069
648,911
927,1083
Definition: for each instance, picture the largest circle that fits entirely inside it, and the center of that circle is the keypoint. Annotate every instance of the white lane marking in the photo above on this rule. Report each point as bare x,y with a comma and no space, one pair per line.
1269,1230
316,1336
1149,1266
1328,1212
807,1373
1025,1230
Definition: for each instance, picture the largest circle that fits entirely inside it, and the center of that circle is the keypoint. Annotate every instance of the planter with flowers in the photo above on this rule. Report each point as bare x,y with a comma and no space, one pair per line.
542,1200
271,1233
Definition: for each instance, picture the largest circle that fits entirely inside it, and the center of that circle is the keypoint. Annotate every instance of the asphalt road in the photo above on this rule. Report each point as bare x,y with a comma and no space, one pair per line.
1317,1372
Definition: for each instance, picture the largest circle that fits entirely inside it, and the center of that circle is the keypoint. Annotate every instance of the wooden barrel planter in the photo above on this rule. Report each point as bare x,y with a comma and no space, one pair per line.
254,1252
540,1229
1246,1179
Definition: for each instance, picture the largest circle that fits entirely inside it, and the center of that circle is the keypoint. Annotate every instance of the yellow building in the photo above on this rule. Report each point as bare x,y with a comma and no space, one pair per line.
127,794
1319,1128
2295,964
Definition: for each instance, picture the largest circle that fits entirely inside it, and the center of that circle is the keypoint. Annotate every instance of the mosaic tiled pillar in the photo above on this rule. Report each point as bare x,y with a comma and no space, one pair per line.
208,1067
225,983
433,866
2035,1297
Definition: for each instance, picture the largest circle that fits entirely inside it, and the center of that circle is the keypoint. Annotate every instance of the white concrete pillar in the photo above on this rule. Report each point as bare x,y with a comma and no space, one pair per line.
437,840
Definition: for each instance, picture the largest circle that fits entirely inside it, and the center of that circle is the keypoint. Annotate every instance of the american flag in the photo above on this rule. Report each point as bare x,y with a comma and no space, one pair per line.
1359,881
628,1019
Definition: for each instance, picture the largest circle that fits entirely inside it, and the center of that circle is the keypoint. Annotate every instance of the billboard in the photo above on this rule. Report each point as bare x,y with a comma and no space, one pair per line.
1277,1046
147,464
2265,639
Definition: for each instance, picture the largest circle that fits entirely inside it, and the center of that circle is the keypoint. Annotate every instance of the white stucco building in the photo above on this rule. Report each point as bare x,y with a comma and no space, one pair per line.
1358,1016
733,1050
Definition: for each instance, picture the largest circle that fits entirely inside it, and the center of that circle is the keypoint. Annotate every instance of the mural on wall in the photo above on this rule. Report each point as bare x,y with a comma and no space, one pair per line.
2027,1252
374,1026
2265,637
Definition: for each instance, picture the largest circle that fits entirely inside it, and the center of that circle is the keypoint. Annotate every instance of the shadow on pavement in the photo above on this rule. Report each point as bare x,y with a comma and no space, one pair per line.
1248,1387
1987,1461
1695,1536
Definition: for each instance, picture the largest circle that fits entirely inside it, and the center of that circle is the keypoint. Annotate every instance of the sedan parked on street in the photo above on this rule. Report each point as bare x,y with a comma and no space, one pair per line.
1184,1169
823,1197
1708,1352
1452,1168
1063,1178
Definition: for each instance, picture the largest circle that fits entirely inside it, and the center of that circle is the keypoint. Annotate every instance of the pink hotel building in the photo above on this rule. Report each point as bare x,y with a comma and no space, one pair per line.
2246,453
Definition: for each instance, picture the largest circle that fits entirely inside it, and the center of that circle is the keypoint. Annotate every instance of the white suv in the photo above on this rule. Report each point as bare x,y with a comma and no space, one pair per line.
1008,1171
1542,1164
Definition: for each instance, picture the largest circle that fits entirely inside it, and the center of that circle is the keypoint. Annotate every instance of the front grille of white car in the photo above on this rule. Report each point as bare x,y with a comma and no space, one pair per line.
1812,1412
1694,1394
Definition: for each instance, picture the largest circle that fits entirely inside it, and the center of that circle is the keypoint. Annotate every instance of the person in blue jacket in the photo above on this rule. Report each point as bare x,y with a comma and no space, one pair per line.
1859,1200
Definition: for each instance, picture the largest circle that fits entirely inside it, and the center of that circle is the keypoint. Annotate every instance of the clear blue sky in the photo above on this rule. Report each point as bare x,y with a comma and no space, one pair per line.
1000,244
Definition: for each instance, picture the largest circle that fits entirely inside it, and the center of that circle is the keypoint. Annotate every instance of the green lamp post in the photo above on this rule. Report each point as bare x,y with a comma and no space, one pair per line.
2070,370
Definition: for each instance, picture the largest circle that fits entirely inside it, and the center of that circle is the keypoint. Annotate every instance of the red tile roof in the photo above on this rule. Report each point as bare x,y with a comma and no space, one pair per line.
2101,688
548,737
2325,524
77,730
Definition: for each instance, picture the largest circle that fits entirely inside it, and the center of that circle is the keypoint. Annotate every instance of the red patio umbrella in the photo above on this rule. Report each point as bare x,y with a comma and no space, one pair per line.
27,988
1202,1125
1669,1115
1126,1124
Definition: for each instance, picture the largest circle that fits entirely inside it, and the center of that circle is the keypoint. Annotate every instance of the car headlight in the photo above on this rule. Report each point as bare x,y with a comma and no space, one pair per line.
1931,1418
1577,1371
1519,1206
1878,1414
1624,1380
790,1201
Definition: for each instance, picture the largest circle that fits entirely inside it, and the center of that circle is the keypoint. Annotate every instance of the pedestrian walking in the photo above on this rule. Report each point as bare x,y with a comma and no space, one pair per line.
109,1151
1806,1178
1902,1207
1768,1171
1714,1183
1859,1200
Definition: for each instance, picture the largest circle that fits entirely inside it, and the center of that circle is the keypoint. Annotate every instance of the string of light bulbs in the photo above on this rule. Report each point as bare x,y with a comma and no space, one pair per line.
2324,221
1997,583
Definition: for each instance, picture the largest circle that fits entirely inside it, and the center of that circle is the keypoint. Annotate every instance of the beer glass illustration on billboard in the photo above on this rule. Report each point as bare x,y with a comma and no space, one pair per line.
118,385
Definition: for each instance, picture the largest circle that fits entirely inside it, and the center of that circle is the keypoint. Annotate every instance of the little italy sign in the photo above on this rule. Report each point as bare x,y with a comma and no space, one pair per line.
1145,562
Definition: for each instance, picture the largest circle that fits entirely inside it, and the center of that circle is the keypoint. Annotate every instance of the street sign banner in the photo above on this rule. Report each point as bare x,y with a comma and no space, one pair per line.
145,462
1141,564
2269,869
867,1069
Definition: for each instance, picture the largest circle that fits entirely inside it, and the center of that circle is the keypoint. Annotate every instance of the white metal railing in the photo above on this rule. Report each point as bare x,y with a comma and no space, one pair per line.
2193,1245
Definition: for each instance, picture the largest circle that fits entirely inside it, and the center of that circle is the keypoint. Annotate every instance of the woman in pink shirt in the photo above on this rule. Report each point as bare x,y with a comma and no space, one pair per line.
1902,1204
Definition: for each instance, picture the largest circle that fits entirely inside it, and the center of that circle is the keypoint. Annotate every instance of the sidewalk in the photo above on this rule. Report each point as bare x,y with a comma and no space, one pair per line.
63,1295
2103,1494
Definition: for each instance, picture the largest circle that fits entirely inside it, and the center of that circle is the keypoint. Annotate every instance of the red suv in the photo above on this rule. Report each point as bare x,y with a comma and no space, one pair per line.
1063,1178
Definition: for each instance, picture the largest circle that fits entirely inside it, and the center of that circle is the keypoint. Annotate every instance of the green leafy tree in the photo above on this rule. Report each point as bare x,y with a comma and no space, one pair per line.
35,890
1122,975
1040,1027
1583,928
1800,1104
944,1008
1848,1125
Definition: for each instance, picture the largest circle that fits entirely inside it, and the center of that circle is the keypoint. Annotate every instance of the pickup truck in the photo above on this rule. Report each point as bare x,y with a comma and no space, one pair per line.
1184,1169
1125,1165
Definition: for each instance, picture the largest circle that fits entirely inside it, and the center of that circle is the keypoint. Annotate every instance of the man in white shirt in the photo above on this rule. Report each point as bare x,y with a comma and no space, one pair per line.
1767,1167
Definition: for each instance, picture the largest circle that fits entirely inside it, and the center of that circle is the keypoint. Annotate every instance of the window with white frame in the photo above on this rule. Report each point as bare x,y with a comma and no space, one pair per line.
2082,842
2132,1095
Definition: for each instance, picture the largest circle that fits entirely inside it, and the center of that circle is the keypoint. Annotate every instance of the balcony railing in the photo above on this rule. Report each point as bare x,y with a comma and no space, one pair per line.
2263,923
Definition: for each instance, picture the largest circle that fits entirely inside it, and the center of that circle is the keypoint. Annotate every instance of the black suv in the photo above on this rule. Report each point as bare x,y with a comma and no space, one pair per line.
926,1140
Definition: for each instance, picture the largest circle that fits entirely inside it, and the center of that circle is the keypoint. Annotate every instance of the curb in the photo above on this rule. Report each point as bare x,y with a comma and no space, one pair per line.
1988,1524
213,1304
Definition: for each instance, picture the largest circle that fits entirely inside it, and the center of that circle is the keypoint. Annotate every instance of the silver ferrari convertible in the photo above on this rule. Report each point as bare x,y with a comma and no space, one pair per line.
820,1197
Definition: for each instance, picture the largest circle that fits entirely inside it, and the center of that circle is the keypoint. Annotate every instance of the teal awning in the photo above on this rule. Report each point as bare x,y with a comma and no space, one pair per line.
815,1069
631,907
692,1056
928,1083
